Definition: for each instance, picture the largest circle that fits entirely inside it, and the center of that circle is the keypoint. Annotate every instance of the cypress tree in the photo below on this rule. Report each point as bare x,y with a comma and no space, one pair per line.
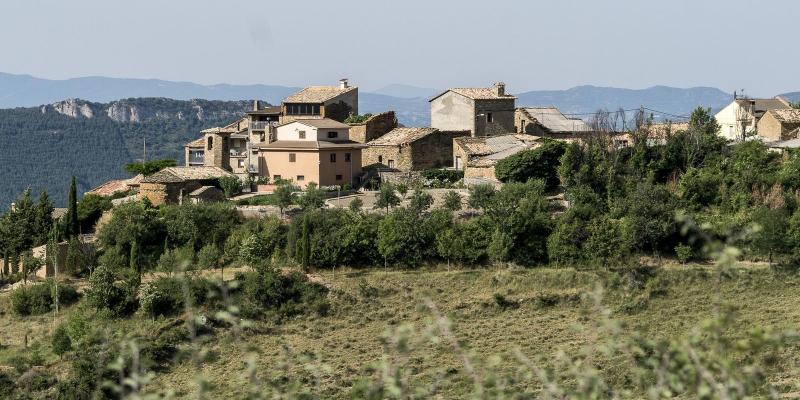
6,270
72,213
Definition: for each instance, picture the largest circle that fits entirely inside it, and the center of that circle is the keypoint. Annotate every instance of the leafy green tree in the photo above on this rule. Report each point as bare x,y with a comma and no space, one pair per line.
386,197
465,242
356,204
209,257
231,185
607,242
90,209
521,217
76,262
402,189
149,167
421,201
61,342
313,197
44,218
254,250
399,238
565,243
539,163
73,225
304,244
649,213
285,195
452,201
480,196
684,252
771,238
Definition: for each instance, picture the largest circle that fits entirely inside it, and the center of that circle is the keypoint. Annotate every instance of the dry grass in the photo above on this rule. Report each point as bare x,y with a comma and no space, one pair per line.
550,307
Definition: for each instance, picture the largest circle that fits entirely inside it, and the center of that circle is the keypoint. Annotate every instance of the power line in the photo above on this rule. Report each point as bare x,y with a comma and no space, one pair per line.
633,109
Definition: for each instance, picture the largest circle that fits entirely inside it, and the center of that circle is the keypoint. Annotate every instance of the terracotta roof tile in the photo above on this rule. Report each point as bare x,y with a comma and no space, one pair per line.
182,174
317,94
399,136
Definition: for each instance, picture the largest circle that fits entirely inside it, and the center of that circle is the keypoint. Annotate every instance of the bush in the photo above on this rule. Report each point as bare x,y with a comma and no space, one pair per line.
209,257
444,175
539,163
231,185
61,341
168,296
268,291
684,252
39,298
119,299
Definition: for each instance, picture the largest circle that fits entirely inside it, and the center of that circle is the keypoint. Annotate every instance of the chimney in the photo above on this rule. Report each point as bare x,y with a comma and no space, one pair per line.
256,105
343,83
500,88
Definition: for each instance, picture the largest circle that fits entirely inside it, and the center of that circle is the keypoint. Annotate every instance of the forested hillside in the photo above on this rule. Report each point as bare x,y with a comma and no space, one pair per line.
41,147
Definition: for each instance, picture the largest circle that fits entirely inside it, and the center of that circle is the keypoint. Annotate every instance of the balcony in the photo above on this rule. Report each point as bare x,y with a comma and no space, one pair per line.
238,152
260,125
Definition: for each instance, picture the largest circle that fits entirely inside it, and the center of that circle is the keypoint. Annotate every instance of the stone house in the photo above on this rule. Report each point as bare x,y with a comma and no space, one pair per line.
779,124
373,128
481,111
207,194
477,157
410,149
174,184
741,116
311,150
547,122
318,102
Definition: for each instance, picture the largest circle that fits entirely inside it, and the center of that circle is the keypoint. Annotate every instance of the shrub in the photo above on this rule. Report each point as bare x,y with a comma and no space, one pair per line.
684,252
444,175
61,341
452,201
104,293
162,297
39,298
267,291
209,257
505,303
539,163
356,204
231,185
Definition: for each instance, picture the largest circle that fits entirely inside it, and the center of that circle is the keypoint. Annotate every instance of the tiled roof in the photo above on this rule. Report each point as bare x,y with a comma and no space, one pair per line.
271,110
553,120
477,93
788,115
488,150
182,174
320,123
196,143
113,187
400,136
317,94
309,145
240,125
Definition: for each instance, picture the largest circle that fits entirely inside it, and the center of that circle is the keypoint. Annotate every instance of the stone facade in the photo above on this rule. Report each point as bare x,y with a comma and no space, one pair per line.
482,111
778,125
434,150
373,128
217,151
502,117
167,193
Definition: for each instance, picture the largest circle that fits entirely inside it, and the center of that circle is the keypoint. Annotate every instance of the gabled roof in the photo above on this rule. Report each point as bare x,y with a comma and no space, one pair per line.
761,106
487,151
183,174
320,123
196,143
318,94
400,136
786,115
203,189
476,93
240,125
554,120
270,110
113,187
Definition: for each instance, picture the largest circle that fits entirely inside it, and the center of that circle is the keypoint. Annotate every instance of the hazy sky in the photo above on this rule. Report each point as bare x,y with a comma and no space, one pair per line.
730,44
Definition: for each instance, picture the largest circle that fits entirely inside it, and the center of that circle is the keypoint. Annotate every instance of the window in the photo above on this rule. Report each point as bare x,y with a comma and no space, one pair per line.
333,157
391,163
489,117
292,157
380,159
302,134
333,135
241,163
210,142
338,177
301,178
346,157
276,178
458,162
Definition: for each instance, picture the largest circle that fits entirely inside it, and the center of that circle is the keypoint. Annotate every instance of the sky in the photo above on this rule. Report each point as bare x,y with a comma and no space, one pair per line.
530,45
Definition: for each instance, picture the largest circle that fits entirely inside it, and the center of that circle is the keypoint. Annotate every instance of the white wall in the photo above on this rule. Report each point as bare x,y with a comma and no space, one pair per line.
453,112
292,132
729,128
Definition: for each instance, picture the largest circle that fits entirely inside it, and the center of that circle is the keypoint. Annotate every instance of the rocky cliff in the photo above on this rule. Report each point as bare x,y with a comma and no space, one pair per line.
148,109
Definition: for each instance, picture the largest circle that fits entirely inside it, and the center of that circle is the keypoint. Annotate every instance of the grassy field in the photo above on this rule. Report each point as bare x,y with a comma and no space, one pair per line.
493,312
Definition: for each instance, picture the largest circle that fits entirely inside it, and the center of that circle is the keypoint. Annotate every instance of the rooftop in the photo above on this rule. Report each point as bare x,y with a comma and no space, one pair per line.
182,174
400,136
113,187
308,145
271,110
200,142
318,94
237,126
486,151
789,115
554,120
202,189
488,93
320,123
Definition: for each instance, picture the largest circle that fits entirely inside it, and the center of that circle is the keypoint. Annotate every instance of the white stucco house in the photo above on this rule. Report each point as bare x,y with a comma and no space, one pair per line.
741,116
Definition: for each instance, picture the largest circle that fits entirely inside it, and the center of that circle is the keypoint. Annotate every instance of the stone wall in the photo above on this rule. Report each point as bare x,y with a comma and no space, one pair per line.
524,123
219,155
452,111
380,155
434,150
771,129
481,172
166,193
373,128
502,111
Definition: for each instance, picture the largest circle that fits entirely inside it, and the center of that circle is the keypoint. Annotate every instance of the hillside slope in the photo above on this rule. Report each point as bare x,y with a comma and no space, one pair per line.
41,147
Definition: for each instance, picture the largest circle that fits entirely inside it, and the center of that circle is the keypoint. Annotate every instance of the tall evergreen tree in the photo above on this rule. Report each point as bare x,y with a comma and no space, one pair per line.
44,218
72,213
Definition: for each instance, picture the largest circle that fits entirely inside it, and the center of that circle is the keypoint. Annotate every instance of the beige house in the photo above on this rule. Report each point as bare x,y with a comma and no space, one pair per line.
408,149
741,116
779,124
318,102
477,157
481,111
174,184
311,150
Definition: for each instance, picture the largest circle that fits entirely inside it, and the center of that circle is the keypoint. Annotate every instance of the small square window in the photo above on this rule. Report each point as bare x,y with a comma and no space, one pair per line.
391,164
302,134
333,157
241,163
301,178
338,177
489,117
333,135
380,159
292,157
346,157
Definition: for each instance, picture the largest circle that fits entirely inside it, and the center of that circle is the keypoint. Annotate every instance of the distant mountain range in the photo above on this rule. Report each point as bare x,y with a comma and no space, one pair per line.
410,102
